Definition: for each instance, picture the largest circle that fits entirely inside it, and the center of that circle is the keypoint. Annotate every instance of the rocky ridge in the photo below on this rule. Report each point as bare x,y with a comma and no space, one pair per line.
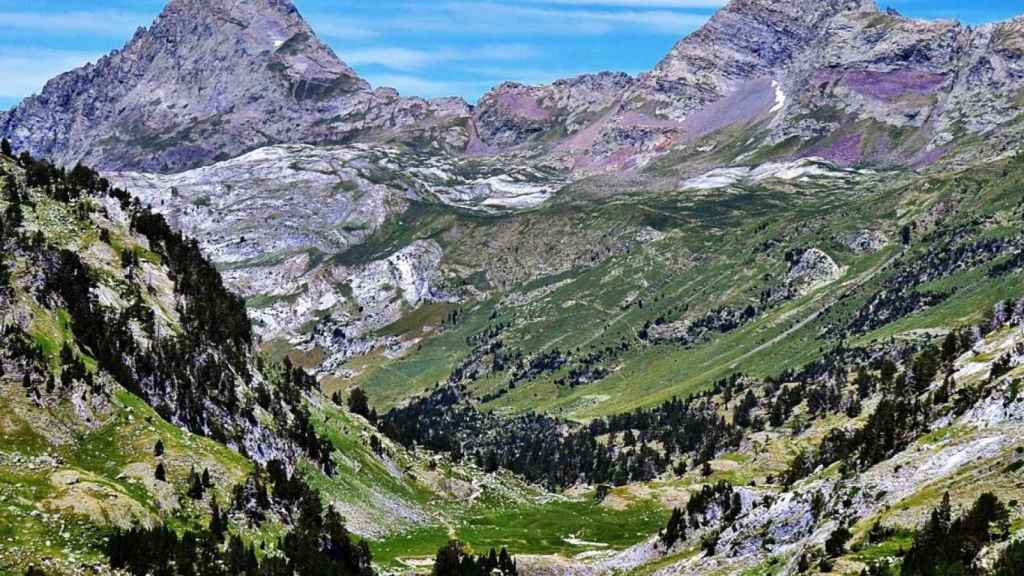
841,80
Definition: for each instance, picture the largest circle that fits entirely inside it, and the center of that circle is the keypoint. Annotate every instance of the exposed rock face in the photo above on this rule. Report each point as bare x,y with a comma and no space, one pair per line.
732,59
866,241
212,79
513,114
272,203
378,294
836,79
813,270
803,170
276,221
791,92
746,40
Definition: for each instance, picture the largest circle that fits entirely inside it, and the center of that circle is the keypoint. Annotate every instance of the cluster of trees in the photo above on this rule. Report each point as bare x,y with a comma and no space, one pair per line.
180,374
282,395
359,403
593,366
948,545
909,400
949,250
555,453
719,497
453,560
682,433
317,544
212,315
894,424
193,376
490,355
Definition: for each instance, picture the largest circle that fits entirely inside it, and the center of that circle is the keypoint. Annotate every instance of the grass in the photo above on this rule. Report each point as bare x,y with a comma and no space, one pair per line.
893,547
539,528
724,248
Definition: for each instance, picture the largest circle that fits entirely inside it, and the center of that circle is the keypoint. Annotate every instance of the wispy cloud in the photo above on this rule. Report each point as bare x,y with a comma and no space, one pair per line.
95,22
498,18
408,85
26,70
409,59
350,29
529,18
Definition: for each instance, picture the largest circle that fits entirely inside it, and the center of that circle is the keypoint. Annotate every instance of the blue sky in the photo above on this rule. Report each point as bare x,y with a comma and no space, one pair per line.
422,47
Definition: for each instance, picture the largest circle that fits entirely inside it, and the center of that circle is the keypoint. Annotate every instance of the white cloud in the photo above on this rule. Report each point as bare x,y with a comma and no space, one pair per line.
26,70
408,59
328,26
531,18
97,22
408,85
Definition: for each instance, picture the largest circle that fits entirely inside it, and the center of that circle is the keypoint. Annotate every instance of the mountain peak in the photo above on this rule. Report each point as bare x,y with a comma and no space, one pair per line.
208,79
750,38
234,31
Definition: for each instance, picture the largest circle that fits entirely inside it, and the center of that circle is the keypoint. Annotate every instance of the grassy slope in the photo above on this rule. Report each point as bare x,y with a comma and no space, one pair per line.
707,259
710,257
64,482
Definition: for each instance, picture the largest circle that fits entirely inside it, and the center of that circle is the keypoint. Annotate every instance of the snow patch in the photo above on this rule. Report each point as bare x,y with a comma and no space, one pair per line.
780,97
803,170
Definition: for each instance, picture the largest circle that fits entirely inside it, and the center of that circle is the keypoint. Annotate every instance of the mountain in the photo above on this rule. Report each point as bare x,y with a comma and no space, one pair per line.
758,312
134,399
840,80
210,80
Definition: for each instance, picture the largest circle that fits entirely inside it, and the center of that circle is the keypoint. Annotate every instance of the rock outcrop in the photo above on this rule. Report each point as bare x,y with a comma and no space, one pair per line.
813,270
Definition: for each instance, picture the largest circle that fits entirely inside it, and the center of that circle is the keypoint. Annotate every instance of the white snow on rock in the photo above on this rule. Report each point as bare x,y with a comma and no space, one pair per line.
802,170
780,98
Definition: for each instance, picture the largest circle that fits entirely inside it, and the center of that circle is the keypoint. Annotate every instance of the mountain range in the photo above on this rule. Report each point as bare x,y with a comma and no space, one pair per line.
756,311
210,81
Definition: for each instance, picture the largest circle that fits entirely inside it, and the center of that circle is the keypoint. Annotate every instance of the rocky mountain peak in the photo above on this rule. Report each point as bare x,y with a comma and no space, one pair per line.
249,29
749,38
210,79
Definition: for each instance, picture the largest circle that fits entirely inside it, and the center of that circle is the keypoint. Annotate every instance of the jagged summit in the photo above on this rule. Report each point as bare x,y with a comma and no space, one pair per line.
749,38
208,80
239,42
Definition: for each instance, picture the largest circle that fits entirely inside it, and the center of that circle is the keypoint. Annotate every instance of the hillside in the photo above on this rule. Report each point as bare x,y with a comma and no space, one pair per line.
124,383
761,313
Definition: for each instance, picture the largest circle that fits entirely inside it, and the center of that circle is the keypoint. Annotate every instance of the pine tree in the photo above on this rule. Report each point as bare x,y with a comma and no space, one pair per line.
218,521
675,530
835,546
448,559
359,403
5,148
196,488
